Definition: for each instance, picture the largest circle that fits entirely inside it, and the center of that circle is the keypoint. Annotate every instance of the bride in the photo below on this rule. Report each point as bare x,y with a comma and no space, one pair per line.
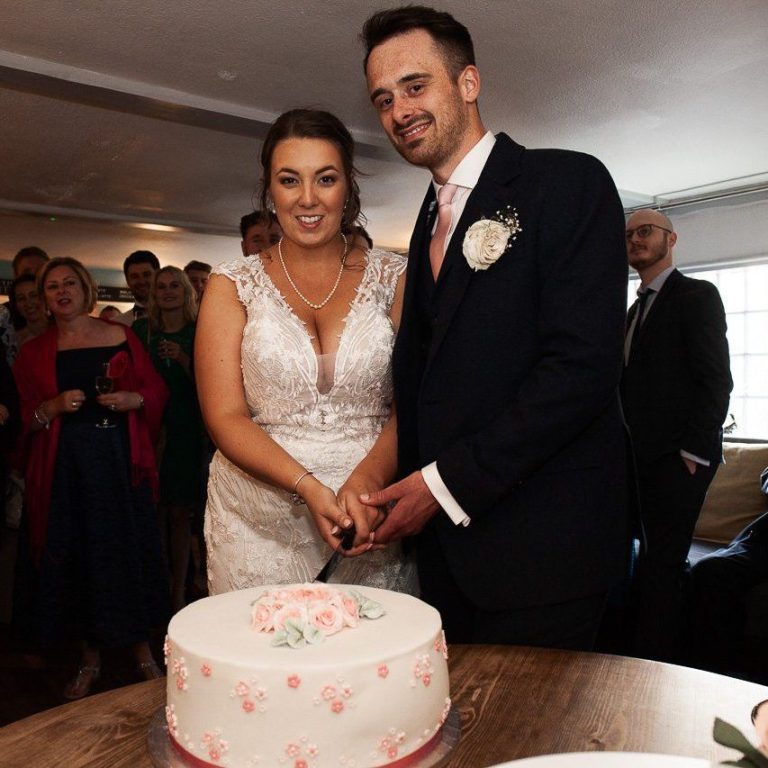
293,370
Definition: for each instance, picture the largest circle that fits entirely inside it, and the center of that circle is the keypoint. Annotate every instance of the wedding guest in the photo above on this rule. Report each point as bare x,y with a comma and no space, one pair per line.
91,524
675,387
507,363
168,334
27,303
720,584
293,367
259,231
29,260
760,721
9,426
138,269
110,312
198,273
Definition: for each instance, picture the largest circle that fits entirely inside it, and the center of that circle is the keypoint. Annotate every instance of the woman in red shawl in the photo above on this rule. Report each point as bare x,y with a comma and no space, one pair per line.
91,480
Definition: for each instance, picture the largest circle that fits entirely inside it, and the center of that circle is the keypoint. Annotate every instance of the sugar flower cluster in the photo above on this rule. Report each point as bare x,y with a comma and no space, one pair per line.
307,614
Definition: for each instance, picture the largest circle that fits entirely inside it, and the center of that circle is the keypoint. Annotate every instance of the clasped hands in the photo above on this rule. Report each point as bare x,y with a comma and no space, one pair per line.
378,516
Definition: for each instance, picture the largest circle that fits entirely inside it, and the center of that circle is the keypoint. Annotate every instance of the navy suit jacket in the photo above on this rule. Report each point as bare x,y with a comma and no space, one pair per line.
510,382
677,381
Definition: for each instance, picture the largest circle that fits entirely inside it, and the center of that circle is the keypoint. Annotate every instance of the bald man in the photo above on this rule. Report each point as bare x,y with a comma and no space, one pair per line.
675,388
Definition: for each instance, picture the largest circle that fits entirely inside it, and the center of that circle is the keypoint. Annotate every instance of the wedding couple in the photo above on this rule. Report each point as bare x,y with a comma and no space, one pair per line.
499,341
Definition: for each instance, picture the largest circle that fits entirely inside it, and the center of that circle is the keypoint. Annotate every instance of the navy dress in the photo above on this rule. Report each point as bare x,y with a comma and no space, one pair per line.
102,576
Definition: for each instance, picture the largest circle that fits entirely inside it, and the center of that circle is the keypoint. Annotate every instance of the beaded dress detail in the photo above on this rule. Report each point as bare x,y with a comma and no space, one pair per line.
325,410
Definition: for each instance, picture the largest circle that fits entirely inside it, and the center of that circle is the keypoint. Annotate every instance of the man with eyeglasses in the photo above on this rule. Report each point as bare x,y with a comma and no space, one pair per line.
675,388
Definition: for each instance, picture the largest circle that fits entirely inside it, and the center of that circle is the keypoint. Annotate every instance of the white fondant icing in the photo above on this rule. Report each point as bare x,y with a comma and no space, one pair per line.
366,698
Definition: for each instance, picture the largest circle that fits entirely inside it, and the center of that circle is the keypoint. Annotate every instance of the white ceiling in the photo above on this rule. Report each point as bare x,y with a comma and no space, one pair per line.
152,110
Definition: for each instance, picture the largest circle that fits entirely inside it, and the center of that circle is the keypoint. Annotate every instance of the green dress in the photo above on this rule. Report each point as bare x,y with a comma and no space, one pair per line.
181,462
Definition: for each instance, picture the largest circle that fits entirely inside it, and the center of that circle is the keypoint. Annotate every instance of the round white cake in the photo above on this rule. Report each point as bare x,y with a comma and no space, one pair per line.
306,676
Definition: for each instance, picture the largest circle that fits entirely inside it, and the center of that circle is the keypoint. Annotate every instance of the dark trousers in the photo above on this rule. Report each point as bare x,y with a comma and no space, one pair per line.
670,502
720,584
572,624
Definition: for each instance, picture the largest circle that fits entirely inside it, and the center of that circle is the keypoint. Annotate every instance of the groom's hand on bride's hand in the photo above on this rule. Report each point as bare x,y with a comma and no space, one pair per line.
366,518
411,505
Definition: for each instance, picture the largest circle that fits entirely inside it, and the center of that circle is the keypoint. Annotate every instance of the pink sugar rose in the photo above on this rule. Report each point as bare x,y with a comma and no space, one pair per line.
327,618
351,615
261,618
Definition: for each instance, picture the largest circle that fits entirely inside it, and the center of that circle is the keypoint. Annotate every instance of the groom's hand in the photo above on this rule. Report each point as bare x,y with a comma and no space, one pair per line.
411,505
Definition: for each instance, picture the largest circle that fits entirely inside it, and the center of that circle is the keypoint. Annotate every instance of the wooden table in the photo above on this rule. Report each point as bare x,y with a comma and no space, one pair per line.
514,702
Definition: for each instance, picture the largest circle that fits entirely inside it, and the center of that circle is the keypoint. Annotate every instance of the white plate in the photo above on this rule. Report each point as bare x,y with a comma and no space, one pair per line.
607,760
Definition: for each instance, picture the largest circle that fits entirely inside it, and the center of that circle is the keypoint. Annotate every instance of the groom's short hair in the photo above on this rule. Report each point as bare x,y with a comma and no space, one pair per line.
450,36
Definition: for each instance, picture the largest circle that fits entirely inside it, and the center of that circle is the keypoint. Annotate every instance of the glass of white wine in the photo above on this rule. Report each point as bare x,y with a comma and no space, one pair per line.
104,385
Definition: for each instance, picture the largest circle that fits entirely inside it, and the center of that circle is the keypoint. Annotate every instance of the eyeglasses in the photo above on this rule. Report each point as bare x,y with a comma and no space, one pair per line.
644,230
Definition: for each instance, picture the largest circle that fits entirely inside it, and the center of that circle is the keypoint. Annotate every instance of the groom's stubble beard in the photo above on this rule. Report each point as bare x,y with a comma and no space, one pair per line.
446,132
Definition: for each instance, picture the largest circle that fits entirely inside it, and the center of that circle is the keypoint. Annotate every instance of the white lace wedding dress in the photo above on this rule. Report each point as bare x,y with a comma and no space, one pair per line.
326,411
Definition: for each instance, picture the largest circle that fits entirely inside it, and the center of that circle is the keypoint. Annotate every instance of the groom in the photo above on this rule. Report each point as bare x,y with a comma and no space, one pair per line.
508,358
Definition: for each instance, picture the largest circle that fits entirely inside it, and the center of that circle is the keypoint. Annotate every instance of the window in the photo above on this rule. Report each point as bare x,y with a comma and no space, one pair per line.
744,290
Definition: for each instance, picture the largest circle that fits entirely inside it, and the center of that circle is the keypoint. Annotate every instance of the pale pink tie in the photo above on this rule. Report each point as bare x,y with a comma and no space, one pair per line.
437,245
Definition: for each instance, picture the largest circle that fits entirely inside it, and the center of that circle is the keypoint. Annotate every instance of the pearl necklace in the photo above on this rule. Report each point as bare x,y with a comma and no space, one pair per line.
295,287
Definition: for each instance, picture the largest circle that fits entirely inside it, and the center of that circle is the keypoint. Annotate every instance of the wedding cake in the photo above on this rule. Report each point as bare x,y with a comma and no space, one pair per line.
306,676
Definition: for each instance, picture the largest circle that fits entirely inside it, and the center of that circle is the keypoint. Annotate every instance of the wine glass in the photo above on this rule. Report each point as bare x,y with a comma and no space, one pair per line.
104,385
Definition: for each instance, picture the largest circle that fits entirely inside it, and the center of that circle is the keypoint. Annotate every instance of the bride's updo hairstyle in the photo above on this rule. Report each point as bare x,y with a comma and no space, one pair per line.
314,124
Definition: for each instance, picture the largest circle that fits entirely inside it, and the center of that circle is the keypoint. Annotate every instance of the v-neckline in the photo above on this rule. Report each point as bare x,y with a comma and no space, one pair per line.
283,302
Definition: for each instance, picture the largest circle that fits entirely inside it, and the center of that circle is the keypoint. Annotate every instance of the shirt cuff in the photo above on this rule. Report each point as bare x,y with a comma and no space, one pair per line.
697,459
443,495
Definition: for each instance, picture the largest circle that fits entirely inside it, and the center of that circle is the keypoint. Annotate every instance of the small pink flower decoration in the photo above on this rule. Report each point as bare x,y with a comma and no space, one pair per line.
328,692
294,681
242,689
312,750
293,750
301,763
346,690
205,670
383,671
248,705
337,706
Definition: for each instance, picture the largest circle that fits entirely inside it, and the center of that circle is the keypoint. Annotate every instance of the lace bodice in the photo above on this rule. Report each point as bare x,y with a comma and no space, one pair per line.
325,410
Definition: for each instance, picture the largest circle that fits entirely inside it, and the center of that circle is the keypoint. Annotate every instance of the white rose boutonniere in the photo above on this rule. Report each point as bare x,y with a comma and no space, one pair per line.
487,239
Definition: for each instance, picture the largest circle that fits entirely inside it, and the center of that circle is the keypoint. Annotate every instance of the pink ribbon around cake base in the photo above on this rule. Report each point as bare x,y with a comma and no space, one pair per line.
403,762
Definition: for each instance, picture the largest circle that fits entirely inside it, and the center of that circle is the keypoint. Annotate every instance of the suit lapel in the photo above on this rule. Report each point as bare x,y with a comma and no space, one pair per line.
492,191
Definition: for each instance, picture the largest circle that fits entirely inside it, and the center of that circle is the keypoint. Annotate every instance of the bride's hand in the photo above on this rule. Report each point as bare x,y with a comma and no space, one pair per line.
330,519
366,518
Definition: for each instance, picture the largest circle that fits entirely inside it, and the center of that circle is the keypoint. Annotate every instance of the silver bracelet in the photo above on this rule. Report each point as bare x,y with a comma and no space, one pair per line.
40,417
295,497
